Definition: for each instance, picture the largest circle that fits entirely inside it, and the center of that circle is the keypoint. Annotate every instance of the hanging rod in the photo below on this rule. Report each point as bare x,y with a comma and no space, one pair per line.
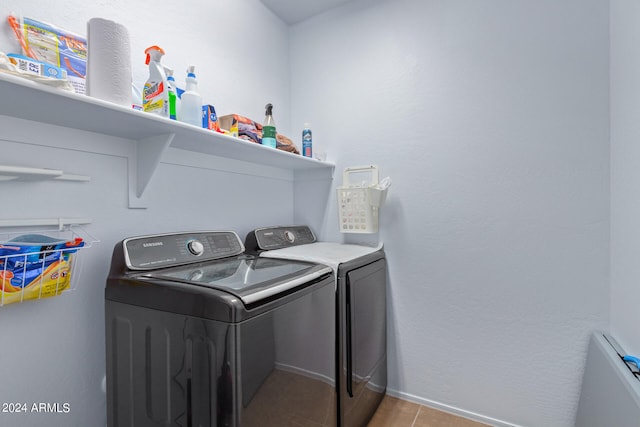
10,173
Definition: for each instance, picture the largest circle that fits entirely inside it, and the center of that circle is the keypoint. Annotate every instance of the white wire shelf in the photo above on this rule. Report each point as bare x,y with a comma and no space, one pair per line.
42,263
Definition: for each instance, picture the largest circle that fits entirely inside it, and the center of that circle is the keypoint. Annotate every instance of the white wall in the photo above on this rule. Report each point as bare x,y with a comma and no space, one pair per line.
53,349
625,192
492,120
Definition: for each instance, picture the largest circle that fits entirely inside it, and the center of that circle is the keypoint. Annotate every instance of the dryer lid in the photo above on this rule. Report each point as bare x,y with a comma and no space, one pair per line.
331,254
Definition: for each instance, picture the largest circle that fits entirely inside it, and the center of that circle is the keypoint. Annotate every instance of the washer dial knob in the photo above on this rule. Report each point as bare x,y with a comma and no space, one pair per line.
195,247
289,236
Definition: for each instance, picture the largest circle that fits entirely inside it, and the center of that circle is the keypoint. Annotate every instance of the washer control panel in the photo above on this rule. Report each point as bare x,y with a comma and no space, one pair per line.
167,250
266,239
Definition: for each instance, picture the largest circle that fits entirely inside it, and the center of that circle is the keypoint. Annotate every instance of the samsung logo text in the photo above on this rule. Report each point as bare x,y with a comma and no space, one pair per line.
152,244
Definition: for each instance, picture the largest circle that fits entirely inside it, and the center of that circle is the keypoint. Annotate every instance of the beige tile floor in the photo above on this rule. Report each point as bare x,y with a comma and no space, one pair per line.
286,399
394,412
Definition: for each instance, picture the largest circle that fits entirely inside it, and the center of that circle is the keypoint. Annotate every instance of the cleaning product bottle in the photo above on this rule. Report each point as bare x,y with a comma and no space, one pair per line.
191,103
171,84
269,128
155,95
307,141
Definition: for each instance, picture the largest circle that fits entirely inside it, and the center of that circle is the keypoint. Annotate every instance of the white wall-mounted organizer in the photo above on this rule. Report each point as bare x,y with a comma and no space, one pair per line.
360,198
40,258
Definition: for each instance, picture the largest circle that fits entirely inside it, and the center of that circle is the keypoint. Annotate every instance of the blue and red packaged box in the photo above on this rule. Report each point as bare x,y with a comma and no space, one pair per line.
209,118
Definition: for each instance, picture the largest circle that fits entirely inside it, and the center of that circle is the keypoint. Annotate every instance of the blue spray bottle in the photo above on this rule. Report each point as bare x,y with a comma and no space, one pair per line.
307,141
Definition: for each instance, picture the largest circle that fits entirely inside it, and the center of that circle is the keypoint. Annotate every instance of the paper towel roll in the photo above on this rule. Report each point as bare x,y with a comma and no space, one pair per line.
108,61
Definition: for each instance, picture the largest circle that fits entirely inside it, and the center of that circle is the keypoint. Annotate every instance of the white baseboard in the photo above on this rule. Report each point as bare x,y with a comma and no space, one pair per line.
450,409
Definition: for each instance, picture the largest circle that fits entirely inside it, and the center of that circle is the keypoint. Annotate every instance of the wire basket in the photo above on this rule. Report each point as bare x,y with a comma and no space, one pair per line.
40,264
359,202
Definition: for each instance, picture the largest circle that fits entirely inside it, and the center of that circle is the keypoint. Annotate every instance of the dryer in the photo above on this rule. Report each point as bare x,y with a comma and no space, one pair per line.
199,334
361,281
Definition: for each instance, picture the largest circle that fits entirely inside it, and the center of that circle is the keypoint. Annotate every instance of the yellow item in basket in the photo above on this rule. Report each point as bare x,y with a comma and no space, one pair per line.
51,282
35,266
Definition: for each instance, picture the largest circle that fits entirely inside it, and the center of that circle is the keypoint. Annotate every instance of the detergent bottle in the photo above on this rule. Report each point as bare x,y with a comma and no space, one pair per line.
155,95
191,102
269,128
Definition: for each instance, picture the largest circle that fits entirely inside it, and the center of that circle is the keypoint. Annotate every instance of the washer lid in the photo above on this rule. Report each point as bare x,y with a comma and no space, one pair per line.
251,279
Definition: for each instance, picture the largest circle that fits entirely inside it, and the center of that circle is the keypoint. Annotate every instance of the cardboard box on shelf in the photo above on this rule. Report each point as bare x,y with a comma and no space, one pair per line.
229,123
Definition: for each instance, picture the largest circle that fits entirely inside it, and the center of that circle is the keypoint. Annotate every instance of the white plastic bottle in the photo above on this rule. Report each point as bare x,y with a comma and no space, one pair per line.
191,101
155,95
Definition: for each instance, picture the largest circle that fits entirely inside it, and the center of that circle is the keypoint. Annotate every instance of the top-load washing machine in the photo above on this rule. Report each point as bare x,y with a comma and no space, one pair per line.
361,280
200,334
